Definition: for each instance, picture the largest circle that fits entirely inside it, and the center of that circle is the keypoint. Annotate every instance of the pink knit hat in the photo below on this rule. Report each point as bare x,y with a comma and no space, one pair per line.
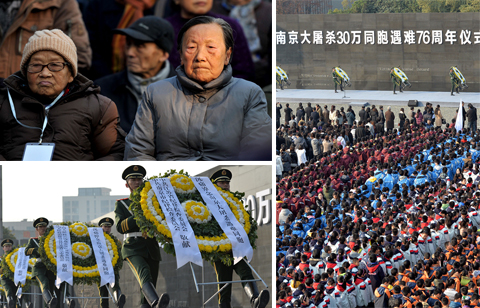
54,40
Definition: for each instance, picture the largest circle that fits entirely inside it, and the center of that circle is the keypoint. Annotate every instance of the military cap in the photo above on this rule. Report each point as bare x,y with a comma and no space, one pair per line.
134,172
42,221
223,175
7,242
107,221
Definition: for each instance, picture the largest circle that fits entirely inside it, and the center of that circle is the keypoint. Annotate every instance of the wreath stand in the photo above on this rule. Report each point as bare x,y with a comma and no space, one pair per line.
203,283
65,297
19,294
345,91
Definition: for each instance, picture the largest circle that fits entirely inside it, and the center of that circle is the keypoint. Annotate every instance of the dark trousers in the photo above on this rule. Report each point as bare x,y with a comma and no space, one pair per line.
104,292
225,273
9,286
145,270
46,281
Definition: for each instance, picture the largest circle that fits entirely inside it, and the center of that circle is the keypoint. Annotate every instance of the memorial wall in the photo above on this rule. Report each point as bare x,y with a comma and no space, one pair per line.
367,46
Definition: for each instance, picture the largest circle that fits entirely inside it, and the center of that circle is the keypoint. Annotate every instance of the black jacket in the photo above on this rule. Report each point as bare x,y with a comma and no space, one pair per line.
363,115
300,114
308,112
116,87
472,114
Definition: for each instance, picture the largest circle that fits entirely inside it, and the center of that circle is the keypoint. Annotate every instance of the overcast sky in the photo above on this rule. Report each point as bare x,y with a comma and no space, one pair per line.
34,189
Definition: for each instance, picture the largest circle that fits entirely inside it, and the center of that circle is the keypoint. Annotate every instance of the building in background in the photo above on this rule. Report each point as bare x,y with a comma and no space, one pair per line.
22,230
89,204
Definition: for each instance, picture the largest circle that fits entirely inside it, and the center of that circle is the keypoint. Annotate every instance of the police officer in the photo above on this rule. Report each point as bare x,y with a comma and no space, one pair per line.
141,253
119,298
225,273
45,277
7,283
336,80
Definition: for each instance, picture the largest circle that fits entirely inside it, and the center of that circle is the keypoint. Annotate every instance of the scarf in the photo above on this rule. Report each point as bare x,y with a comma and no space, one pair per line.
133,11
139,85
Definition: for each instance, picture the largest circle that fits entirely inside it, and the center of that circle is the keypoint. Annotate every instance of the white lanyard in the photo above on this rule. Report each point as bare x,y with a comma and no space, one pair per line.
45,121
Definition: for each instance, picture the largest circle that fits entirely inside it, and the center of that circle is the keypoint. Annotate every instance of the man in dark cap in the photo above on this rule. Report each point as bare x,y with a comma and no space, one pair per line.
222,179
7,283
149,43
119,298
141,253
45,277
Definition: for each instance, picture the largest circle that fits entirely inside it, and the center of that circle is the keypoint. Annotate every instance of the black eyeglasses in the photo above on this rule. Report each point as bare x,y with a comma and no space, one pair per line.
52,67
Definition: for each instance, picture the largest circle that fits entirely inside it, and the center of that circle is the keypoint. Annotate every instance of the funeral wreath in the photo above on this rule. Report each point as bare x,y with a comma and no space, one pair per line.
212,241
85,270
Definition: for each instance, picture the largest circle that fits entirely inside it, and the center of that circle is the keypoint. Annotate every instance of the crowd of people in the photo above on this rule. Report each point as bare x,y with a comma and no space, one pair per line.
83,73
314,132
384,220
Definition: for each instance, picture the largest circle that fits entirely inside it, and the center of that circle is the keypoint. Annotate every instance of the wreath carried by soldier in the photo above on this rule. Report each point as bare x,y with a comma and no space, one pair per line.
85,269
212,241
9,262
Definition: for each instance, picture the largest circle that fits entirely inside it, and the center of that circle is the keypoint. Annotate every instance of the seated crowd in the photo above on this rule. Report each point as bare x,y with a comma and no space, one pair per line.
389,222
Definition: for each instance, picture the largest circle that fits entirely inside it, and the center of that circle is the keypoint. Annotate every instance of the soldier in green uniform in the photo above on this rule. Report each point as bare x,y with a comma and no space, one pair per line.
45,277
453,79
336,80
141,253
7,283
395,81
119,298
225,273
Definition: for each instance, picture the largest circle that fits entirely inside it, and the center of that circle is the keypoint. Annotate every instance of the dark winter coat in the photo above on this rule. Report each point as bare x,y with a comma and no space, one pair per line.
83,124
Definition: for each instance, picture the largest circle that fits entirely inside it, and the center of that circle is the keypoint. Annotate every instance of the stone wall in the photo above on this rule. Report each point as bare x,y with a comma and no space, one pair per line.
309,66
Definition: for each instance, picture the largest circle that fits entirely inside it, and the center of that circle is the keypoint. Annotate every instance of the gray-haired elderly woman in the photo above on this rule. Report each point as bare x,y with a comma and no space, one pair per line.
203,113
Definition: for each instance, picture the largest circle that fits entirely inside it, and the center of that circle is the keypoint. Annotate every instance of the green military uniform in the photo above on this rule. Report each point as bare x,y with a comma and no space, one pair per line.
453,79
141,253
243,270
7,283
395,82
45,277
104,294
337,81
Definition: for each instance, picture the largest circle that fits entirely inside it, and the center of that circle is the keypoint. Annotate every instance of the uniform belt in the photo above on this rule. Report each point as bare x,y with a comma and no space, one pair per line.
132,234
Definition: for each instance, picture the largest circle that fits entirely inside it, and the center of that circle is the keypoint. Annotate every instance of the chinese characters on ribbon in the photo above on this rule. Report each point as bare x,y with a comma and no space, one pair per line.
21,267
379,37
186,247
104,263
64,255
226,219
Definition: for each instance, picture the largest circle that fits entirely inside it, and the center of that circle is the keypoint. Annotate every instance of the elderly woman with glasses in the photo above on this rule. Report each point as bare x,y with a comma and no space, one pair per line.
49,111
203,113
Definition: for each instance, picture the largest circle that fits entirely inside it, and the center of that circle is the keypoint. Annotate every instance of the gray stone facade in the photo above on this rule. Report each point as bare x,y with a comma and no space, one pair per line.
427,66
